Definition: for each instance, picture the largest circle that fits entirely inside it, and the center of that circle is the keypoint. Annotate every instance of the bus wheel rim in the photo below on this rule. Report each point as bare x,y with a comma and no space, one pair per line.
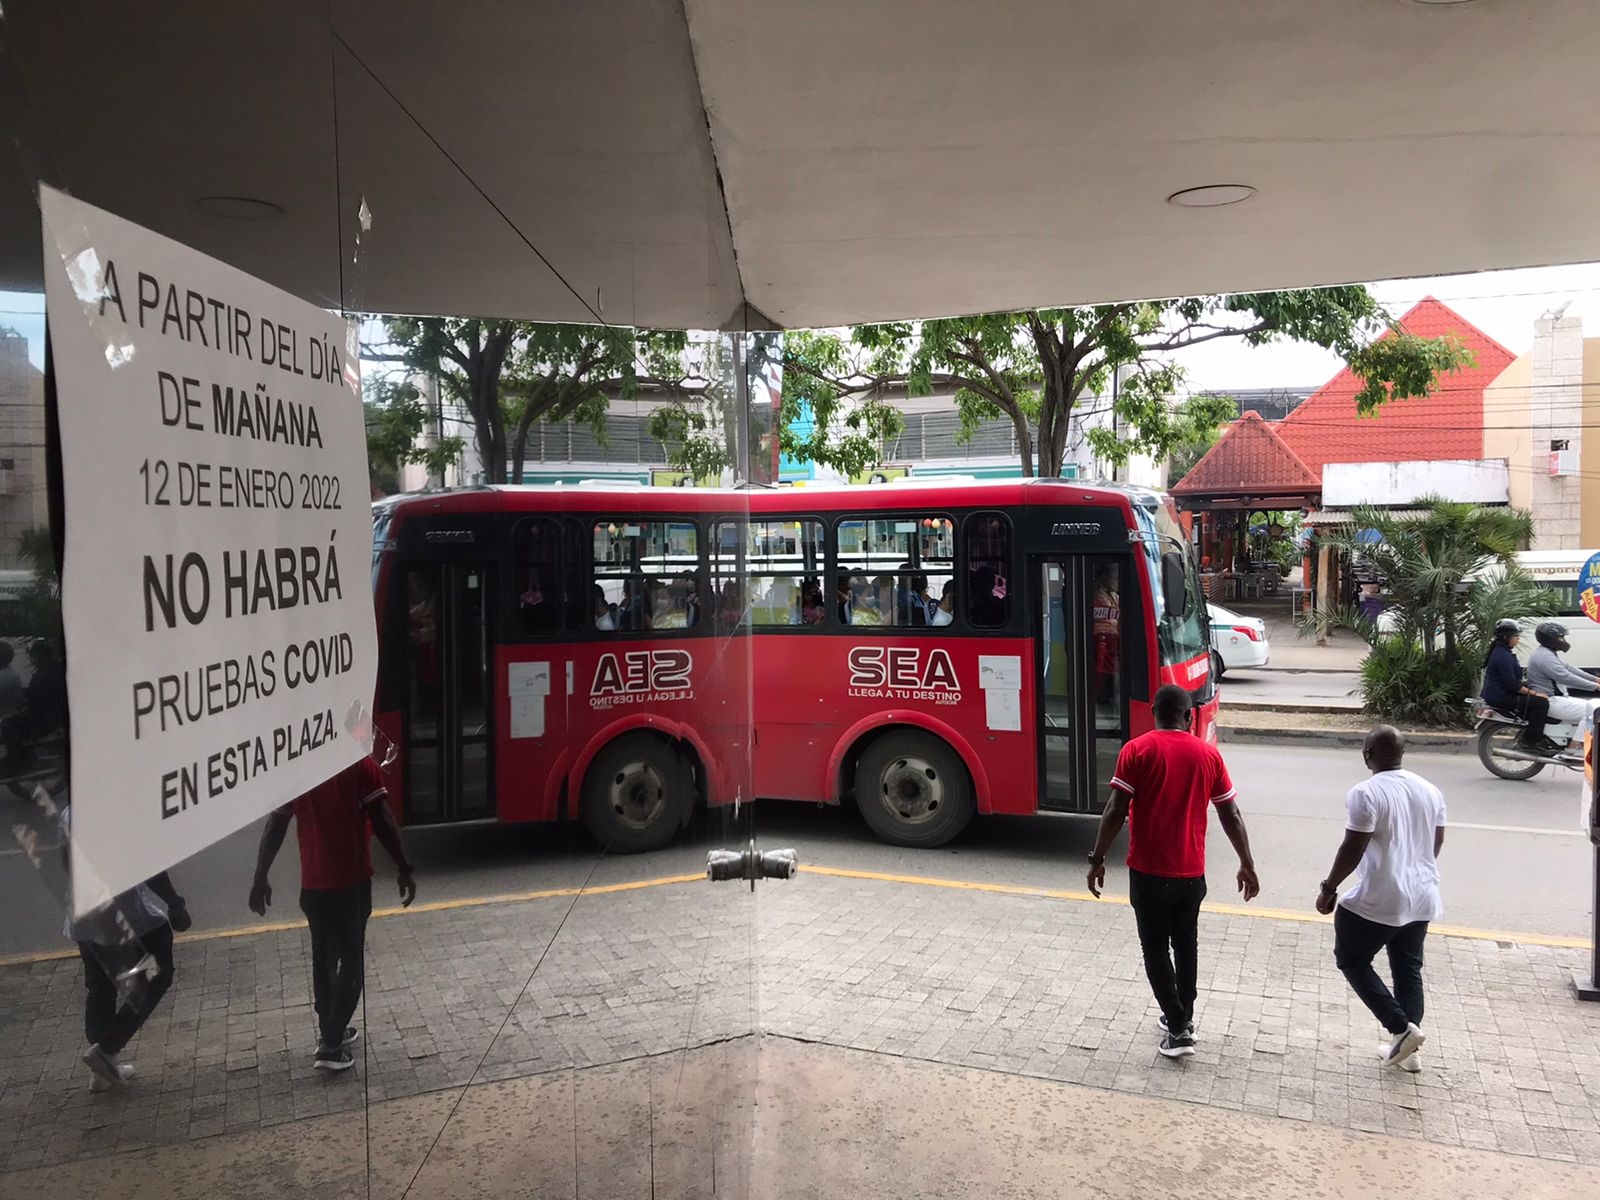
637,795
912,790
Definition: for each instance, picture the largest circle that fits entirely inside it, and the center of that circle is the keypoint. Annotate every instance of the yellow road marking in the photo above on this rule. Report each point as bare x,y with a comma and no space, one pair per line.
970,885
1232,910
237,931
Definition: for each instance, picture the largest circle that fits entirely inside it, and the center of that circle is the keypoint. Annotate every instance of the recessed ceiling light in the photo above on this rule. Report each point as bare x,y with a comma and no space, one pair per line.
239,208
1214,195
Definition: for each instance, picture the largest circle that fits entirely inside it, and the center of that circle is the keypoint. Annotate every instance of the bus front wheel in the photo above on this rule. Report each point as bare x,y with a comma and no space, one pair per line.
913,790
635,794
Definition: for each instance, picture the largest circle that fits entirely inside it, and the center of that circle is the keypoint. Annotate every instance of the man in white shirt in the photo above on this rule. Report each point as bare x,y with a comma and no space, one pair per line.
1394,829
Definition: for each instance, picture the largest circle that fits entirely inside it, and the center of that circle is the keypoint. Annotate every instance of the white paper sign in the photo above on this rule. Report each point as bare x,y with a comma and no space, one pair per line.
529,684
1002,671
220,638
1002,709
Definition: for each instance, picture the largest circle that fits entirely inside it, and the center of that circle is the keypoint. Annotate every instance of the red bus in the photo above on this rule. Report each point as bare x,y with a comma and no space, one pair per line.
930,651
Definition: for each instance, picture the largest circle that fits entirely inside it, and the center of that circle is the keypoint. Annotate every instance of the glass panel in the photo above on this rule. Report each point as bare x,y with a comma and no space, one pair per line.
785,560
988,548
424,798
1055,689
649,573
893,570
1106,610
730,576
546,578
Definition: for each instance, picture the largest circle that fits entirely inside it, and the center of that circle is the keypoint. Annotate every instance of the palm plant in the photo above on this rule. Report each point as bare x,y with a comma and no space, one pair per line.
1452,572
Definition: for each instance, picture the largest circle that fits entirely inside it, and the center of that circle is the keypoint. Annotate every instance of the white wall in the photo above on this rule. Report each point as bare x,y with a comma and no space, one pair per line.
1475,481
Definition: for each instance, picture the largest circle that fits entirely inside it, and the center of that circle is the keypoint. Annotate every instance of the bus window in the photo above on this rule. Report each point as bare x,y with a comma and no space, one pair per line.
784,568
988,563
892,570
546,578
729,604
648,573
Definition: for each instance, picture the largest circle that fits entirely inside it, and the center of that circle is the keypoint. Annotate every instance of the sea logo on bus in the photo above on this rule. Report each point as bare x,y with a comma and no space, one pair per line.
903,673
1075,529
641,677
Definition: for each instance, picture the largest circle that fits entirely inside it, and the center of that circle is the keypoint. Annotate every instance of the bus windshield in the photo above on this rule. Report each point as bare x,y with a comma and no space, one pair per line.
1181,634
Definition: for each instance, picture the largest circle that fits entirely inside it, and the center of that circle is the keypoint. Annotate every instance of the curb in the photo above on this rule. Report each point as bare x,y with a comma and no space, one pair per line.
1419,739
1271,706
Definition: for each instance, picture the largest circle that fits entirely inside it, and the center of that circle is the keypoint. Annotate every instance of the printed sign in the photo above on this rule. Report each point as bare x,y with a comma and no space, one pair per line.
903,673
642,677
1589,588
220,639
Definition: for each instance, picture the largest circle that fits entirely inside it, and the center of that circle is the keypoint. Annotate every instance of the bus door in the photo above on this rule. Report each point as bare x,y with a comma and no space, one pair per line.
449,712
1083,611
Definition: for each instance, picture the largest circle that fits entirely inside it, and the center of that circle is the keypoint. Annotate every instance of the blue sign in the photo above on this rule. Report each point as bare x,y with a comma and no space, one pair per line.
1589,588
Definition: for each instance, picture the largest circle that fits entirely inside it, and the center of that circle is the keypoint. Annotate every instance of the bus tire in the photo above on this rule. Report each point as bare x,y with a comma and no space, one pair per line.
913,790
636,794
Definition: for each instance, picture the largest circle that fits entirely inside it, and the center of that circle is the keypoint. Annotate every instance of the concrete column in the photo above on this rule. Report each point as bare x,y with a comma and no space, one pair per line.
1556,415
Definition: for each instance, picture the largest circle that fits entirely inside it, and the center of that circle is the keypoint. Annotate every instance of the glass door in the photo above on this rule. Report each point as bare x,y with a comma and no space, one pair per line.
449,768
1082,681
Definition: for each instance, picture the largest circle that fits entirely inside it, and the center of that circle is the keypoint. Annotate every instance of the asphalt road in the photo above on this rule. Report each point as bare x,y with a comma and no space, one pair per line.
1514,859
1318,689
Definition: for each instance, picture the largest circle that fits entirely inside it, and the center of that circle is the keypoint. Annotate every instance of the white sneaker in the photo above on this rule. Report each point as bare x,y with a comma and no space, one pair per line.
1410,1065
1404,1046
108,1072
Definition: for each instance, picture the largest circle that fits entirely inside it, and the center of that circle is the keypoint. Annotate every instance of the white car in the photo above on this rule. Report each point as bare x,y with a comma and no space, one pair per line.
1237,642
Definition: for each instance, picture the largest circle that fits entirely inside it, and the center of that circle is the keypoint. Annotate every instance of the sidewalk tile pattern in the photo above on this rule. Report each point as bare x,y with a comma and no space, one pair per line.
1046,988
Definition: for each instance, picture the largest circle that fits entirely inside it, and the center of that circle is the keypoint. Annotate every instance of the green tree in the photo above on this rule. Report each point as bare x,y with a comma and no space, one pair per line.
396,419
1188,451
827,415
1034,367
509,374
1452,572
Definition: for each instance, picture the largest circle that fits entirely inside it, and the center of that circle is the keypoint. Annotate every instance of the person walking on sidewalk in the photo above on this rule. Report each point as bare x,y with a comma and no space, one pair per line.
128,937
1394,829
1165,782
331,824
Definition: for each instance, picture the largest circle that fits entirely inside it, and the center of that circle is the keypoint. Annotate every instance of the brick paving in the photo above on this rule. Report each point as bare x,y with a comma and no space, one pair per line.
1022,985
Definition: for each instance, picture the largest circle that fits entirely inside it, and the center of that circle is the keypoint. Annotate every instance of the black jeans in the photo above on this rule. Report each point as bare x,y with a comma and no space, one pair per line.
104,1023
338,921
1356,942
1535,710
1168,914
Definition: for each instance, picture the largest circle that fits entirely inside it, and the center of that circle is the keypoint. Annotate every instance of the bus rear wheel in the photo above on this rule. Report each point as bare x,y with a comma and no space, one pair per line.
635,794
913,790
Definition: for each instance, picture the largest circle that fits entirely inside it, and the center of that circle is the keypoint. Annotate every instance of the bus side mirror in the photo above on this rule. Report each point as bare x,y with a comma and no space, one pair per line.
1174,583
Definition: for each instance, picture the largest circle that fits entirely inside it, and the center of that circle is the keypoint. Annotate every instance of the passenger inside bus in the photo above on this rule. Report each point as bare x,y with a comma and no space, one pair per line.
911,602
844,599
942,612
1107,618
605,614
812,608
731,610
986,597
864,608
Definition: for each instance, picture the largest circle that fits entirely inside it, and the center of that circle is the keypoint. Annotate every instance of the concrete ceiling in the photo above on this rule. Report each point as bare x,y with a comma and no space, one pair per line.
825,162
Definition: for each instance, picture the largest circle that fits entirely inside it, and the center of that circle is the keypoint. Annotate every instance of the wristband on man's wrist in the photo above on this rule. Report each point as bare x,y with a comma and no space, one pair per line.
1328,887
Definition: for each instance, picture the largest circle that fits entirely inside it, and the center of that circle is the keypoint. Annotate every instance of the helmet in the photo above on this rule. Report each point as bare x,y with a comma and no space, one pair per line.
1553,635
1505,628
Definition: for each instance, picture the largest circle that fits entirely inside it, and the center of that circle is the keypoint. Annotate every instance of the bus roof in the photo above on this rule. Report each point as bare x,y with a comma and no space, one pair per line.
1000,493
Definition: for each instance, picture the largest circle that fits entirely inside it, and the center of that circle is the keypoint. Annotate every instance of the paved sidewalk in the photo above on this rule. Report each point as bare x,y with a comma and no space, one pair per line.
1042,989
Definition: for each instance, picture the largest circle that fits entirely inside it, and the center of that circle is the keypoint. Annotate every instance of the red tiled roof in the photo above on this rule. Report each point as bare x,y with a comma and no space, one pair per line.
1446,424
1249,459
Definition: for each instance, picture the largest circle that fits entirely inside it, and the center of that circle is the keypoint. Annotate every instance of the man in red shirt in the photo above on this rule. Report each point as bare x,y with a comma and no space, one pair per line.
1166,780
331,824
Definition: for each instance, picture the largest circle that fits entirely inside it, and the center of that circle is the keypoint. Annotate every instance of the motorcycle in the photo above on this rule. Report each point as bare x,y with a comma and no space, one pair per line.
1499,735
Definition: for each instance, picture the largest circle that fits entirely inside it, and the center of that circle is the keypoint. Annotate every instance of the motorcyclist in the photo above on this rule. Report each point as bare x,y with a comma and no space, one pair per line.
1548,673
1506,689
